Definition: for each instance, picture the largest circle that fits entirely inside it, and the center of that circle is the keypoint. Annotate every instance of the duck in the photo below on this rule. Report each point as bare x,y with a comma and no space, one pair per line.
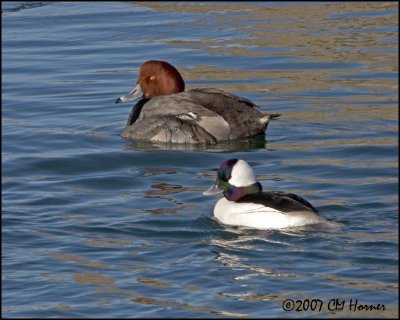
244,204
165,112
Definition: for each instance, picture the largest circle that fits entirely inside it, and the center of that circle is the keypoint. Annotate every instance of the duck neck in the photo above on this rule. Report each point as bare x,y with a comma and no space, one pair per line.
233,193
136,109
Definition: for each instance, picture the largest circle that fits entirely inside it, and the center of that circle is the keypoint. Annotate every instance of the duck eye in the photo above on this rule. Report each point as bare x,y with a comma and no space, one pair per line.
152,78
225,177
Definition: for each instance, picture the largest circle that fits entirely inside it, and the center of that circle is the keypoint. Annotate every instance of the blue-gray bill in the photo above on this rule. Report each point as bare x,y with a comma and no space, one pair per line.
214,189
135,93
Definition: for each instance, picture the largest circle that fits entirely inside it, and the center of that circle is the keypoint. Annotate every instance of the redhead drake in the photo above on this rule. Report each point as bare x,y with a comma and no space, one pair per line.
244,203
167,113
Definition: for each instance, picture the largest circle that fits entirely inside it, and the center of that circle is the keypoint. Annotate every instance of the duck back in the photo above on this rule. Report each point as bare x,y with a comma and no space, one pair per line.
240,113
281,201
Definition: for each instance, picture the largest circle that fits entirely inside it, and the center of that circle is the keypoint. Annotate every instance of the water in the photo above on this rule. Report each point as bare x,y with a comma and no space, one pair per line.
98,226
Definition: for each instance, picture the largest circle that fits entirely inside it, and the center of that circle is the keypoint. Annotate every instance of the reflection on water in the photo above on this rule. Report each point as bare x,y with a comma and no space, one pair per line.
185,306
78,260
338,39
108,242
154,282
93,278
361,284
235,262
257,142
106,285
8,7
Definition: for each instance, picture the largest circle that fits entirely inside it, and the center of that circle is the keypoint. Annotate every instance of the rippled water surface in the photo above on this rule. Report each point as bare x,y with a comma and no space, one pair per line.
97,226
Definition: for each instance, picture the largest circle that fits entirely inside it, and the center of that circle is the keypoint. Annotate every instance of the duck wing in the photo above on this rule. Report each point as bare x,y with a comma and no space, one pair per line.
282,201
241,114
183,112
216,93
180,128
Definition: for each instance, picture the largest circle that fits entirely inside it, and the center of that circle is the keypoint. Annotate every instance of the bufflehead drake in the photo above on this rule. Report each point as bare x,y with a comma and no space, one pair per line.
167,113
244,203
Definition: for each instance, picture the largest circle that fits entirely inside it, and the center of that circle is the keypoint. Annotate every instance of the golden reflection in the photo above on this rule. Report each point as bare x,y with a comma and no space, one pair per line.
84,262
330,180
93,278
290,81
111,289
153,282
333,143
336,113
320,33
191,7
107,285
191,287
314,32
159,170
361,283
374,237
162,189
185,306
64,307
341,162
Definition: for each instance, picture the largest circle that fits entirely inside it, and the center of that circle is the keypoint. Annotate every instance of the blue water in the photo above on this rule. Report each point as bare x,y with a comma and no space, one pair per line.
97,226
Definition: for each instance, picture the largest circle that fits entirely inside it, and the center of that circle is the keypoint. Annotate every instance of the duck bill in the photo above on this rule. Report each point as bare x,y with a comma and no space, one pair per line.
214,189
135,93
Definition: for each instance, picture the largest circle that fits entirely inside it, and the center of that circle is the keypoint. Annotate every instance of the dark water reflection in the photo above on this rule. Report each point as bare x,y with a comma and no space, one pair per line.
254,143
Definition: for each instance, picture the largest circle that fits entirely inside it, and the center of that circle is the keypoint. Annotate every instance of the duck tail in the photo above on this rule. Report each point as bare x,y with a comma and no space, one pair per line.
265,119
273,115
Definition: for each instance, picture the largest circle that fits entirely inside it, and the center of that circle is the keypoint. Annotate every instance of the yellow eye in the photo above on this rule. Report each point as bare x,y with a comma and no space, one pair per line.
152,78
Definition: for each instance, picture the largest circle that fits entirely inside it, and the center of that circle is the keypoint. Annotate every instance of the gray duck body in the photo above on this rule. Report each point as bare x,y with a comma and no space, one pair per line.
198,115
